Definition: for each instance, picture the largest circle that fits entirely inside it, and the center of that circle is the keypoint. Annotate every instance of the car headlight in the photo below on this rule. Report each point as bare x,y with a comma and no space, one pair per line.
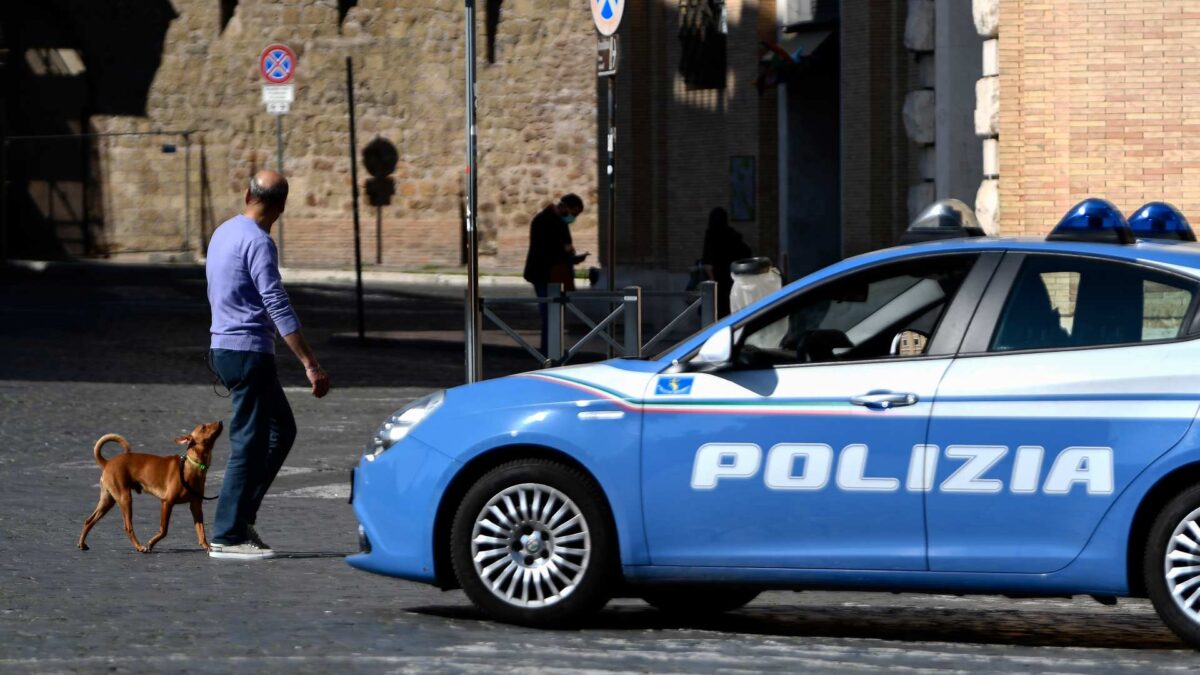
401,422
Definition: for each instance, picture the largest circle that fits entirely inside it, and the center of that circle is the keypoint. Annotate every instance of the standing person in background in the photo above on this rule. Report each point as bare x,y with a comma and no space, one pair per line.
723,246
249,308
551,257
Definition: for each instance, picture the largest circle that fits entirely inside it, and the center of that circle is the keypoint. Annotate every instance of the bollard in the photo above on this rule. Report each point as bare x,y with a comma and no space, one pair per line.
555,323
708,302
631,303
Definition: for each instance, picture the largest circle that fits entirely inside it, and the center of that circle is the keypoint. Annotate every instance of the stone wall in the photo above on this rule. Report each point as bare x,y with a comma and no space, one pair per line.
536,115
1095,97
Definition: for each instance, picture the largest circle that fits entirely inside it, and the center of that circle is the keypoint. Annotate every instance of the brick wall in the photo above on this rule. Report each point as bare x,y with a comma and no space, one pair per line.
1097,97
536,115
878,164
674,143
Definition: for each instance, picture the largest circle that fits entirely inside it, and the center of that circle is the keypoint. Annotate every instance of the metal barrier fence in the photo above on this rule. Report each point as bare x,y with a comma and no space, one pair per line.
78,195
624,307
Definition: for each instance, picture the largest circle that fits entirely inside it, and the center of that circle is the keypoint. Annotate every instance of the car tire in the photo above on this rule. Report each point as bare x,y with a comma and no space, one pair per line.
541,533
693,600
1171,565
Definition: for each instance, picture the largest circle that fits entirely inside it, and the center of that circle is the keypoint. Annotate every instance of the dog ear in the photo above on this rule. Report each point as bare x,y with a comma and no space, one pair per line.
184,440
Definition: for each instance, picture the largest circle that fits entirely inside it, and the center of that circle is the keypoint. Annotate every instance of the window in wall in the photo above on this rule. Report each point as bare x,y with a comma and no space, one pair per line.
491,26
228,7
703,31
344,9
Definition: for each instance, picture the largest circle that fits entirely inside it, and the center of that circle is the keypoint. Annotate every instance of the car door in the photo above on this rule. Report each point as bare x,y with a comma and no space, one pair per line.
798,454
1075,374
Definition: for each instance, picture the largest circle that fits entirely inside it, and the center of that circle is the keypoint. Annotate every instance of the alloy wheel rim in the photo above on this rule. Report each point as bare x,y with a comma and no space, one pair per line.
531,545
1181,565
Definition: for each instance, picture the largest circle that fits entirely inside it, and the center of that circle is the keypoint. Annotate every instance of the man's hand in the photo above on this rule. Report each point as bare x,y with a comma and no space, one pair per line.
319,380
317,376
575,260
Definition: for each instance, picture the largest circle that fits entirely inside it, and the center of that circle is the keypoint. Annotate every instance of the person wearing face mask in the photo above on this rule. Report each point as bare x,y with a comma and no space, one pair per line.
551,257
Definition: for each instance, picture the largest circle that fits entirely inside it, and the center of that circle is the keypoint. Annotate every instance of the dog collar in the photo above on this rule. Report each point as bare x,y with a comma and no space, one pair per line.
193,460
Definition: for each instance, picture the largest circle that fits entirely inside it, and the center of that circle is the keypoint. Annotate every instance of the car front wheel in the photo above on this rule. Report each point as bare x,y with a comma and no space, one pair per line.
531,544
1172,565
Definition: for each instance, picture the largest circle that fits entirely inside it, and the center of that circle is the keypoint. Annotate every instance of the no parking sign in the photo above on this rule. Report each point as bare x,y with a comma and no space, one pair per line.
277,65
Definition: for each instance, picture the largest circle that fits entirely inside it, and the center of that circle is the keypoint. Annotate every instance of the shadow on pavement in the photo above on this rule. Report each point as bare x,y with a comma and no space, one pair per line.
305,555
115,329
1015,627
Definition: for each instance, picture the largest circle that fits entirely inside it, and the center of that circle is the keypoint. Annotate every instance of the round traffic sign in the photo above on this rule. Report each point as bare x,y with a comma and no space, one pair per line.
277,64
607,15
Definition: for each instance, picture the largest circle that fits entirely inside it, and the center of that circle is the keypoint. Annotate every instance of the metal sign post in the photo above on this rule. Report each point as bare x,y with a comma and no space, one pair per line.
358,286
606,65
277,65
472,326
606,14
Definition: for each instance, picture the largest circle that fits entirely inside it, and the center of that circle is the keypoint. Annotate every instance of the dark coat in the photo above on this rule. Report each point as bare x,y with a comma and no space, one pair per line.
723,246
549,246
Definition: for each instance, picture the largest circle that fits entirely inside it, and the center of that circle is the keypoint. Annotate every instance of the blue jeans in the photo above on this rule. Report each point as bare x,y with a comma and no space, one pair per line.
261,433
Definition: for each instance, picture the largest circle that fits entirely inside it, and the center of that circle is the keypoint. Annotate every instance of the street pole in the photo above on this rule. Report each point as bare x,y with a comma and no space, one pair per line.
472,328
187,192
607,68
358,286
610,226
279,168
4,152
84,173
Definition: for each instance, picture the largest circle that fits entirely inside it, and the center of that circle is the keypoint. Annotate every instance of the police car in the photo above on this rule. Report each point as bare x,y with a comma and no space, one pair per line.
968,414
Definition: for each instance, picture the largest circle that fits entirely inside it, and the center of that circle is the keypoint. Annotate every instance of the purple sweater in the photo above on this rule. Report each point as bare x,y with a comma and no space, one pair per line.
244,289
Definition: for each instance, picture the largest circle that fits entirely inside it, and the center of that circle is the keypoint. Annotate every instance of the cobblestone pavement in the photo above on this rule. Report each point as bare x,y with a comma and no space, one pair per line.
82,358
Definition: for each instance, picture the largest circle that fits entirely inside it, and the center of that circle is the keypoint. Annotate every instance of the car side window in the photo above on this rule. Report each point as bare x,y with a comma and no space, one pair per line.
1065,302
885,311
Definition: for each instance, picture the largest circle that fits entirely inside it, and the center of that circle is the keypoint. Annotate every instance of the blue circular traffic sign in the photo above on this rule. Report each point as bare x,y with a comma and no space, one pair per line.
277,64
606,14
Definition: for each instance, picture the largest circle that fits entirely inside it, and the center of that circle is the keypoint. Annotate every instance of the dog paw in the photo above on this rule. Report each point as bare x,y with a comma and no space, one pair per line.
82,546
143,549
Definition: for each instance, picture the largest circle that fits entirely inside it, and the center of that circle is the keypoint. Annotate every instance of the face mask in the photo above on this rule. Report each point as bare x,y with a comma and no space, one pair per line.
568,219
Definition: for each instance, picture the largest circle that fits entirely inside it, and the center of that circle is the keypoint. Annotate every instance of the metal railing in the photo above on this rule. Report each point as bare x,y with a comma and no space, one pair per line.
624,306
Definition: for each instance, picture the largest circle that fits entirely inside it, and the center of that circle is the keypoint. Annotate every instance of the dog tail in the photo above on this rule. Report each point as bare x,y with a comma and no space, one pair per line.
117,438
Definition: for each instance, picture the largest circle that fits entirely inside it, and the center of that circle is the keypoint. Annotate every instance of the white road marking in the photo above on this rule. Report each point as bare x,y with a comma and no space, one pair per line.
331,491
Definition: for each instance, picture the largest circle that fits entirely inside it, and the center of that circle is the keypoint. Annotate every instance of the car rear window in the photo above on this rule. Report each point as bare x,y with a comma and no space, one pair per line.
1063,302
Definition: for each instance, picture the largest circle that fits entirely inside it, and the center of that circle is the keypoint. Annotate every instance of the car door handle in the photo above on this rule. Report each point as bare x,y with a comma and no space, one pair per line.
884,400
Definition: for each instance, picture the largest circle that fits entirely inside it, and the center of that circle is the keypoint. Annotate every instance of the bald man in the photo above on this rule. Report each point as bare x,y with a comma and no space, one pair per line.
249,308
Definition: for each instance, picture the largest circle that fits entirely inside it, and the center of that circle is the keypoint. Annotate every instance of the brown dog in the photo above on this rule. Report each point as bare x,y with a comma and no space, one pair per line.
160,476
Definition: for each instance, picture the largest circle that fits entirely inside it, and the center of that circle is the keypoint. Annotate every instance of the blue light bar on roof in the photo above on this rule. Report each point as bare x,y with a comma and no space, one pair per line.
1093,219
1160,220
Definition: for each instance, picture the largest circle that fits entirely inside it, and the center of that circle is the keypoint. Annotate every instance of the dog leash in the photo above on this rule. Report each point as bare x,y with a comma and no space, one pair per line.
216,376
188,488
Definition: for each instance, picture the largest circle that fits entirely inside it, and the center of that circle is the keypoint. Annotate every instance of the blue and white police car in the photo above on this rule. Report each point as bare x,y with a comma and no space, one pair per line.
968,415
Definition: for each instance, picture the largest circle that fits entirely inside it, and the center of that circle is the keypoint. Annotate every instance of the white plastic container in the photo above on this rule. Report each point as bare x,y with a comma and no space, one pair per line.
753,280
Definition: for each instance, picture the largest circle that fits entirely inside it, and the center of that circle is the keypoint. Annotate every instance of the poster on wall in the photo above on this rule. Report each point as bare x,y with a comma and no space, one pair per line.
741,188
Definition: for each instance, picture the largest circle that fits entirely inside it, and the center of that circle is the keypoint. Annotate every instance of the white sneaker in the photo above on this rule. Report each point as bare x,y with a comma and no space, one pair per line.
247,550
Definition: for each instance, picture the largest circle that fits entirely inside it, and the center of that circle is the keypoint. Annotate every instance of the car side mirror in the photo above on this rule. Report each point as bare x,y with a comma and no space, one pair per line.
716,351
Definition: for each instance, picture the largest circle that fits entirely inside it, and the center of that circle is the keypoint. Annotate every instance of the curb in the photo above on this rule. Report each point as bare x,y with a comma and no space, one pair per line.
167,271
